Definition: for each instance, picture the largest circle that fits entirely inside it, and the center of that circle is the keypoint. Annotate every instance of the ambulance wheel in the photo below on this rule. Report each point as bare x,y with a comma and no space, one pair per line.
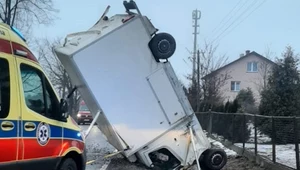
214,159
68,164
162,46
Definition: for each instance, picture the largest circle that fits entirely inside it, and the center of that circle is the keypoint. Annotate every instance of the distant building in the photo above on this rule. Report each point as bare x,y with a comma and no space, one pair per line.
249,70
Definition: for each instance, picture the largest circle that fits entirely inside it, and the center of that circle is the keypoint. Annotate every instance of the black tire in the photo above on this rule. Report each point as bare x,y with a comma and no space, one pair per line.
162,46
215,159
68,164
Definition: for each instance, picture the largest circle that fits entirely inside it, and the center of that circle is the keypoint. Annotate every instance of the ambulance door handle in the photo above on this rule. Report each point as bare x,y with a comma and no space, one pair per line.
7,126
29,126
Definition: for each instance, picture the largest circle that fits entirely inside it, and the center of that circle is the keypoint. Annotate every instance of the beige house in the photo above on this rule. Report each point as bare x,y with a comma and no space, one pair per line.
249,70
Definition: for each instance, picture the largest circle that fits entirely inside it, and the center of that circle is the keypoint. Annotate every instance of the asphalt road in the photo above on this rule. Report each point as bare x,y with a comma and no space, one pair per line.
97,148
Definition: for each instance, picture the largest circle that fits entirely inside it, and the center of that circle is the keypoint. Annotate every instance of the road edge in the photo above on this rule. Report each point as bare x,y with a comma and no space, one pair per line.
104,167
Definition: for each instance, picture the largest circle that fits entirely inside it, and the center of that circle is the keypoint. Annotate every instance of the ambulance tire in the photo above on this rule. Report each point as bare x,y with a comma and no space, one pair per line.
162,46
68,164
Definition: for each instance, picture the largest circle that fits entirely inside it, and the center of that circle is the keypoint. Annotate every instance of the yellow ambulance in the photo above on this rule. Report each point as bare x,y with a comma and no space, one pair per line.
36,131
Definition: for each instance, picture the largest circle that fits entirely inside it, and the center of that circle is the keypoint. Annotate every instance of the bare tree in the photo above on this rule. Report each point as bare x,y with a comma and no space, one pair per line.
58,75
23,14
264,68
205,90
212,94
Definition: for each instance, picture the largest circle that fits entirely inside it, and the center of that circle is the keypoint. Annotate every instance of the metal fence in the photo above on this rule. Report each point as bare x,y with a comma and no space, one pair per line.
272,137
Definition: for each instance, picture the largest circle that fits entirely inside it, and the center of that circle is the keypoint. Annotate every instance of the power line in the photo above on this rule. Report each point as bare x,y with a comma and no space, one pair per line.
234,21
187,63
243,19
229,19
226,16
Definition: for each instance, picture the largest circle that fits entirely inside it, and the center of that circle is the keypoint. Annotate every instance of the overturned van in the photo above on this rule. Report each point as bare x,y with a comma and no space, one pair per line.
120,66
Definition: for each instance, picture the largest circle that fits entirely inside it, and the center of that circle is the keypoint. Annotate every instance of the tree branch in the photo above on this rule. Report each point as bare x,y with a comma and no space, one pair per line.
14,8
25,13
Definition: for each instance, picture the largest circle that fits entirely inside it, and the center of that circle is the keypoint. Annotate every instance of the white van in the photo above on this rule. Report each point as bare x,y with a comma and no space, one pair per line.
121,68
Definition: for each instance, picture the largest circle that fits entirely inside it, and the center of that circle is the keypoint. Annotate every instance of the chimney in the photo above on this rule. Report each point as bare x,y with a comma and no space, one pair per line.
247,52
241,55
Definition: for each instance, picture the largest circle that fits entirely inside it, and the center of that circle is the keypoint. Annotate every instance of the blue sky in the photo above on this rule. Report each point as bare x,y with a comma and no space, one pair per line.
274,24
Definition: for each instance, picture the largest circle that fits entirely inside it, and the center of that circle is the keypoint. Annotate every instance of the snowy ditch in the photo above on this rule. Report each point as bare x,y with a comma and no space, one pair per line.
285,154
219,145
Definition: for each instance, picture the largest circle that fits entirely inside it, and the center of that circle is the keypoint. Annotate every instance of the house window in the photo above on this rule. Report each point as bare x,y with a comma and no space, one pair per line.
235,85
252,67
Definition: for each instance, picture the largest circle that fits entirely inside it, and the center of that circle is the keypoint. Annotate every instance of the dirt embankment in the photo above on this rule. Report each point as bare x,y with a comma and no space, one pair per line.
241,163
234,163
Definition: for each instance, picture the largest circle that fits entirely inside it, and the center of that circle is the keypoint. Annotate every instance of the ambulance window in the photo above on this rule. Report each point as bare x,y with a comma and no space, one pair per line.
52,103
38,96
33,89
4,88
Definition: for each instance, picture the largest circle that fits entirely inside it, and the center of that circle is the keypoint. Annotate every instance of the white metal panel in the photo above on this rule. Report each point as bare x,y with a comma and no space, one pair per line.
85,92
178,89
166,96
115,69
77,41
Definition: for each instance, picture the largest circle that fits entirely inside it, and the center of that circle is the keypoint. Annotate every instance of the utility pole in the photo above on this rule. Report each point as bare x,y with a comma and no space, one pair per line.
196,17
198,82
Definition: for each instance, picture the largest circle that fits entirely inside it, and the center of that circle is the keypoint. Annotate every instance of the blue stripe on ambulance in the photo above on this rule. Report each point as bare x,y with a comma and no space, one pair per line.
11,133
55,131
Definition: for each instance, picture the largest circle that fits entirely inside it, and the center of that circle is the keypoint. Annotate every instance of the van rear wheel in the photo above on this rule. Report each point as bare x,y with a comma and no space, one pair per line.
68,164
213,159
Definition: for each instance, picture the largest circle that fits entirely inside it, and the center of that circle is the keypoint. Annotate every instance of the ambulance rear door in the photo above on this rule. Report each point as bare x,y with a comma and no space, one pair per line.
9,105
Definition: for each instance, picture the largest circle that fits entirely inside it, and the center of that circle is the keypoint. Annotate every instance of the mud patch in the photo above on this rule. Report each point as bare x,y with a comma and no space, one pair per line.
120,163
241,163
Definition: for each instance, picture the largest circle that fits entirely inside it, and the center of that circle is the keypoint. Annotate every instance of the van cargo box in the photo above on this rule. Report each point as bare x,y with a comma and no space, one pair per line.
121,69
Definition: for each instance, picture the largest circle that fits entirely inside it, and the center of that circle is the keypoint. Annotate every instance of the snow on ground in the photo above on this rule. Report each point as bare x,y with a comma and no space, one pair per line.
261,138
285,154
218,144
